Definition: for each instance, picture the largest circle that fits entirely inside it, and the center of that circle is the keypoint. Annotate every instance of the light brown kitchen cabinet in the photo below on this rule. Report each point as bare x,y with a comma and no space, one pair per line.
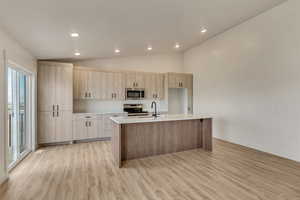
154,86
64,126
114,86
55,127
86,84
108,123
135,80
55,102
177,80
160,86
85,127
93,84
46,127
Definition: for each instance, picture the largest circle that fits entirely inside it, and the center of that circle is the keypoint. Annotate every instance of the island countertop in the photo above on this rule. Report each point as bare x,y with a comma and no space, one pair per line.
161,118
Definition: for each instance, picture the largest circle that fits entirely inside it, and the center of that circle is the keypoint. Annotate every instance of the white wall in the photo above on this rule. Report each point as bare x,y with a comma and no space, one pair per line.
19,55
249,77
151,63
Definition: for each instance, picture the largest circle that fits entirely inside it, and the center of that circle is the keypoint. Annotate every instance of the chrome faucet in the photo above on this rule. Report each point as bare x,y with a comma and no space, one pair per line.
155,111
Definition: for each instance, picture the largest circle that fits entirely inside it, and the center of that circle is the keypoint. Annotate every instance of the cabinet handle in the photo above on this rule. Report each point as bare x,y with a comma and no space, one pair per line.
90,123
53,113
57,113
112,95
90,95
137,84
57,107
53,108
86,123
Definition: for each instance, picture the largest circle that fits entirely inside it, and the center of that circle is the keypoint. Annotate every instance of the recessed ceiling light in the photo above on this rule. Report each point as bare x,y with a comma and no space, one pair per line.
77,54
117,50
149,48
74,35
203,30
177,46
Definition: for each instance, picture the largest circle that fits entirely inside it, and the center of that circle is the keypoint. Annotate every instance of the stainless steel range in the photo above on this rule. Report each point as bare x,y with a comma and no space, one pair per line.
134,110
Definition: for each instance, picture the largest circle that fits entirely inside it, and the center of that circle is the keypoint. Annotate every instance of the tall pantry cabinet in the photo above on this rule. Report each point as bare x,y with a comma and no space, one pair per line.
55,102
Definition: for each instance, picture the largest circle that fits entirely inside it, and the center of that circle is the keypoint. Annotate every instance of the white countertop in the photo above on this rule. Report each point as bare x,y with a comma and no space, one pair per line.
149,119
98,113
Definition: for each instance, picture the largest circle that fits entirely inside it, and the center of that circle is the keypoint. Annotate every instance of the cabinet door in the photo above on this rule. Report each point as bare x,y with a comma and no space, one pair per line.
93,84
119,88
130,79
64,87
150,85
160,86
46,127
63,126
83,84
76,92
99,89
80,129
181,80
140,80
92,128
107,123
173,81
100,126
110,86
46,87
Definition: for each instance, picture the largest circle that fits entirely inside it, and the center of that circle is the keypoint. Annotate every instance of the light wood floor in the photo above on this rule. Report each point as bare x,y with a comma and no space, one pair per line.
85,171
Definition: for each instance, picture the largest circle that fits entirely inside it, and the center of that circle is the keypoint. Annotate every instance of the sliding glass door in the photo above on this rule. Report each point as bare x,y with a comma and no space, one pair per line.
18,134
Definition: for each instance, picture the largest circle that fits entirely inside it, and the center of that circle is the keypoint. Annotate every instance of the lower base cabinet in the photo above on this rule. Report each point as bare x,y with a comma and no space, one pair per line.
93,126
54,127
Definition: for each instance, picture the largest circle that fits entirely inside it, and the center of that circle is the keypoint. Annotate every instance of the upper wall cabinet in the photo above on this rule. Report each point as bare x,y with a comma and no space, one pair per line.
154,86
92,84
178,80
55,86
135,80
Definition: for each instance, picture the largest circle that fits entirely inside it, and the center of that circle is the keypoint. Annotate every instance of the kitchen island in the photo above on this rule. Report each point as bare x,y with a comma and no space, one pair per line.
138,137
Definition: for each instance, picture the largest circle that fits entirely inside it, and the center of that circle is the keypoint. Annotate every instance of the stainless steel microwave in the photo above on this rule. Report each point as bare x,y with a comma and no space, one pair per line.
135,93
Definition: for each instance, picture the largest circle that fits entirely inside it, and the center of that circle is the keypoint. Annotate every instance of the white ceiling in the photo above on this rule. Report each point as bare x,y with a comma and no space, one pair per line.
43,26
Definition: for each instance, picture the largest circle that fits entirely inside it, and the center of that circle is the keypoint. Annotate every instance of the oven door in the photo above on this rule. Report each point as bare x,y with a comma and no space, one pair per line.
135,94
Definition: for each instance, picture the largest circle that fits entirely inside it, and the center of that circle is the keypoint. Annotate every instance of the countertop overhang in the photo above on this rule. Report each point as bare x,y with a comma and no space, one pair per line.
162,118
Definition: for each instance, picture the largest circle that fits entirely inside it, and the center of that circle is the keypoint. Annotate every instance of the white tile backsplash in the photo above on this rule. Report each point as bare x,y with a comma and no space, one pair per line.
96,106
